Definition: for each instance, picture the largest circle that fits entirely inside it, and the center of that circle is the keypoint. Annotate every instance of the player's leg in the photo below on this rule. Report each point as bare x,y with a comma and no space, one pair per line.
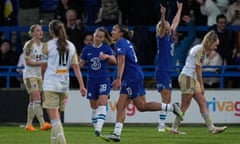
201,100
37,107
104,91
92,96
51,103
30,111
93,105
164,87
187,90
122,103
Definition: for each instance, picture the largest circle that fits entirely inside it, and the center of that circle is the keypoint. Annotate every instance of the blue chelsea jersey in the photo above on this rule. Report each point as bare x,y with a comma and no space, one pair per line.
97,68
132,71
165,53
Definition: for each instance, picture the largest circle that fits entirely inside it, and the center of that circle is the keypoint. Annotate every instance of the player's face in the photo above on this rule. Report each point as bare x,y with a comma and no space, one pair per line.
116,34
99,37
214,45
88,39
37,32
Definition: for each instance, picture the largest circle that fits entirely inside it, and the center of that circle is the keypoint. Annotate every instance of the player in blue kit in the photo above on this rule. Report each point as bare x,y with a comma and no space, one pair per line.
164,35
97,56
130,81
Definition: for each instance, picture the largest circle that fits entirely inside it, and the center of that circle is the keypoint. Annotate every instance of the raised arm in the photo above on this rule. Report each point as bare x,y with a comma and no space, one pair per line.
160,27
177,17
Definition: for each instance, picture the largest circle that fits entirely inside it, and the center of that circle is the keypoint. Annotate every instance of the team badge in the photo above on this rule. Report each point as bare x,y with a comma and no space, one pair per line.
201,59
27,52
34,85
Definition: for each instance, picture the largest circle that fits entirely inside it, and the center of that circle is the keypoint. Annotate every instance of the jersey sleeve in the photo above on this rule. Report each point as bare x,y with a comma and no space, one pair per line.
84,54
45,52
121,48
27,51
199,58
108,50
75,58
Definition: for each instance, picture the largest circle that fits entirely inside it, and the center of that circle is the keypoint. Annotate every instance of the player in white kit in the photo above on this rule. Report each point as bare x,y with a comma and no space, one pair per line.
32,77
60,54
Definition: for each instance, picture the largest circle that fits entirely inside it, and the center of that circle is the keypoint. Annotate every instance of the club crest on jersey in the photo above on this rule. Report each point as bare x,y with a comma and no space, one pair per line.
27,52
34,85
201,59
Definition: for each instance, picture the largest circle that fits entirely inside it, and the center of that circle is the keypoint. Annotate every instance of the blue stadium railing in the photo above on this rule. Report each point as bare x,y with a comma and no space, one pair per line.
10,71
7,30
149,72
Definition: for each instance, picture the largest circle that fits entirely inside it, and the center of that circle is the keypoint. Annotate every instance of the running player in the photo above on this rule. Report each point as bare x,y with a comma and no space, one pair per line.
130,81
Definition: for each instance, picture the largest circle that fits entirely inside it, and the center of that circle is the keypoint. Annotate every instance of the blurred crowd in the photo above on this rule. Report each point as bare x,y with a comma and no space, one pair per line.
77,14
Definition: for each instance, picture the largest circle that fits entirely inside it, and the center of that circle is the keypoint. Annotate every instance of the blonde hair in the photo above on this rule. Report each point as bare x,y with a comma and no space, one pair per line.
31,29
209,39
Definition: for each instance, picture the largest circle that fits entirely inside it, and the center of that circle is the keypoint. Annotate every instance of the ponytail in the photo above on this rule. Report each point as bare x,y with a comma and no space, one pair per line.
126,33
58,29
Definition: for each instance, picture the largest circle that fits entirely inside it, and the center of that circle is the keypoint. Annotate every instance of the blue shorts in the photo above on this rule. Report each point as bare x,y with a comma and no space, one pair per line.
133,89
97,87
163,80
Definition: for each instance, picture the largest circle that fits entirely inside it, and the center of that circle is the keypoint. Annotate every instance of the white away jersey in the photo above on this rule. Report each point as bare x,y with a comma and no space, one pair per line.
34,52
195,57
56,77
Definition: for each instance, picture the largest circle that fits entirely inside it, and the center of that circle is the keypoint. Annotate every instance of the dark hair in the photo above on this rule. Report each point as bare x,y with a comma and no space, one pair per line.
5,40
57,28
220,16
124,29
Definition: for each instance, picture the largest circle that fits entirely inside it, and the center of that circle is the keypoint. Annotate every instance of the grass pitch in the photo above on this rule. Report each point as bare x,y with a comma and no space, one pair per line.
139,134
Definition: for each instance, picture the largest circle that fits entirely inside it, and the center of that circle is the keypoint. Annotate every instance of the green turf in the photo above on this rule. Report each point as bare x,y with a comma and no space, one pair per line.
82,134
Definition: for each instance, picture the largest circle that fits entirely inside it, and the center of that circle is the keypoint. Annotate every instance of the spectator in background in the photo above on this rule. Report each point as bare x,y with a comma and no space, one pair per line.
75,29
109,13
210,9
192,9
28,14
233,13
181,46
92,8
212,59
236,59
227,39
64,5
222,5
75,32
88,39
8,57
